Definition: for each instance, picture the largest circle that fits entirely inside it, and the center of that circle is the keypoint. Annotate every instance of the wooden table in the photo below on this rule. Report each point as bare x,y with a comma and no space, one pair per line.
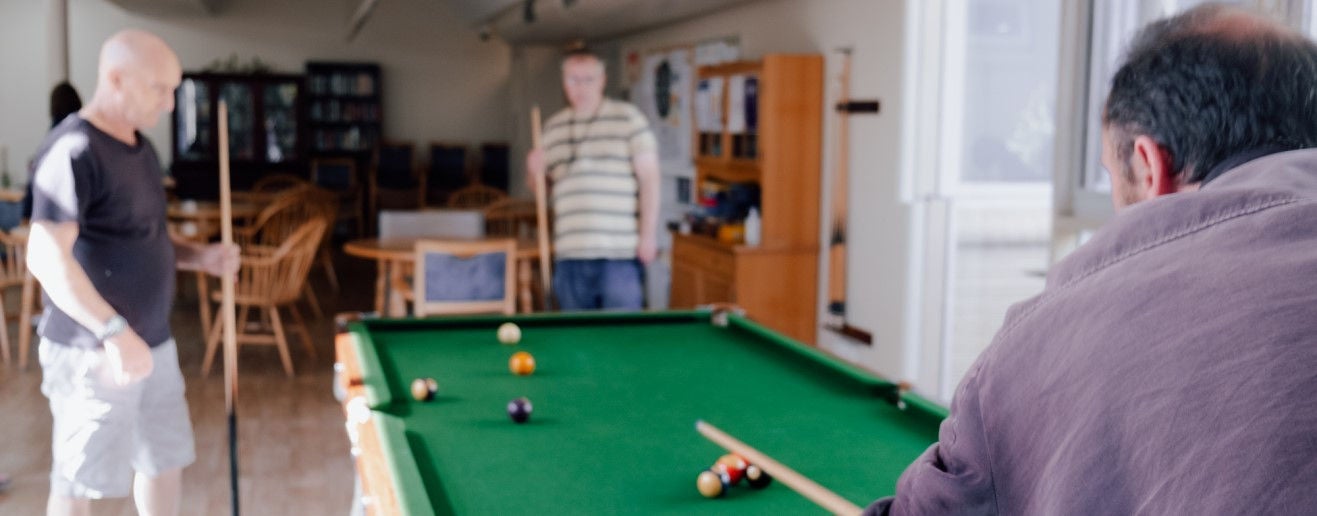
394,256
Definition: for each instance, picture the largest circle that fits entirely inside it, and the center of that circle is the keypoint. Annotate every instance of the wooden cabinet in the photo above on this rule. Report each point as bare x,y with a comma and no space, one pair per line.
265,130
772,140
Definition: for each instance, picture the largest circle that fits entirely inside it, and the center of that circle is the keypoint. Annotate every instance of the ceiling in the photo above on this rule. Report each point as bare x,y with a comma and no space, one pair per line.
559,21
515,21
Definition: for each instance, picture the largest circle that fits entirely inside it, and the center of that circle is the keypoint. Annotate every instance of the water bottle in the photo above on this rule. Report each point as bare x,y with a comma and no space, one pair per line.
752,228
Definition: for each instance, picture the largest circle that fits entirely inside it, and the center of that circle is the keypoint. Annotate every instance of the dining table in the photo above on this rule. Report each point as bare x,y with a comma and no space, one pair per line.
395,256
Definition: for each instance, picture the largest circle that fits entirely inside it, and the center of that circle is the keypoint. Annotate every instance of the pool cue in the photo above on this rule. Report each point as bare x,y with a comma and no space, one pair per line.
541,209
227,281
840,180
797,482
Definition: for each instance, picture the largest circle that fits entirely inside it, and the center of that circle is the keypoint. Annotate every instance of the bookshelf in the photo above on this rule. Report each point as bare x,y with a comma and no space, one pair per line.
344,108
772,141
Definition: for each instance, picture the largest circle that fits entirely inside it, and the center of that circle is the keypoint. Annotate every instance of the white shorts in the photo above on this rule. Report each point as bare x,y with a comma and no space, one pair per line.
103,432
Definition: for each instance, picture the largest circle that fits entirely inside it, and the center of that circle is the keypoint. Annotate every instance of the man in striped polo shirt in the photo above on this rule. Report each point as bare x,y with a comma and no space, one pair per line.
603,170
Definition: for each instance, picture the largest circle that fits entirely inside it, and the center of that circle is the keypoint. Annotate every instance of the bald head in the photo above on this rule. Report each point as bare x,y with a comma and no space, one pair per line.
138,73
132,49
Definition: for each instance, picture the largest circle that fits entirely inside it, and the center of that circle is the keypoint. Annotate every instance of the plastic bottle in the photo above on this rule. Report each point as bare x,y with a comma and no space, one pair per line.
752,228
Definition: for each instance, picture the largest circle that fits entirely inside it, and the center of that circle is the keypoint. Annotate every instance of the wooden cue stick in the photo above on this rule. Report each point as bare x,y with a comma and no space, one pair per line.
797,482
227,282
541,208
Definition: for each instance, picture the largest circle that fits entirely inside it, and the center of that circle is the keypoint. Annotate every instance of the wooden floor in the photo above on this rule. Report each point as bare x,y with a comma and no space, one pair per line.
293,452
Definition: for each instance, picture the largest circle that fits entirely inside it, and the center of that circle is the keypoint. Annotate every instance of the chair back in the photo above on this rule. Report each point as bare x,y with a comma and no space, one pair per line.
278,182
455,277
334,174
432,223
494,165
476,196
446,173
285,214
510,217
13,268
270,275
393,166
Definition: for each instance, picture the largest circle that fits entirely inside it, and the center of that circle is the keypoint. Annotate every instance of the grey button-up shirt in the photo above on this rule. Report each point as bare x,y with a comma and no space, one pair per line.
1169,367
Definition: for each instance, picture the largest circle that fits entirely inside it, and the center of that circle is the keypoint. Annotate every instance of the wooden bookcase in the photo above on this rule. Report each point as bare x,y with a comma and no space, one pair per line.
778,149
344,108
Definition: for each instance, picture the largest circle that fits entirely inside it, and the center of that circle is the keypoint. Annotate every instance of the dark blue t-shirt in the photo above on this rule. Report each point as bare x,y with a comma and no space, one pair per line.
113,191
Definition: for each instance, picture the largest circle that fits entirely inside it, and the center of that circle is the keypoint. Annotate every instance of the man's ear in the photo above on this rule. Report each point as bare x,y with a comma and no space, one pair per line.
1152,168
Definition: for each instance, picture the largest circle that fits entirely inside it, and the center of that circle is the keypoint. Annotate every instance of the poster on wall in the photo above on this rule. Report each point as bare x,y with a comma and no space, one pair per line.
663,92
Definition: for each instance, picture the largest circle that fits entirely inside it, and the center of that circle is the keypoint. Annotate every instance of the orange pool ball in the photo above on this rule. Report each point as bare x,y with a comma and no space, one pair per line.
521,363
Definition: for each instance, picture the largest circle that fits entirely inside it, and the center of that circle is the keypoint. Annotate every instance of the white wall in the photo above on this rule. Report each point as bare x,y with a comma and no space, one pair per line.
24,82
879,237
440,81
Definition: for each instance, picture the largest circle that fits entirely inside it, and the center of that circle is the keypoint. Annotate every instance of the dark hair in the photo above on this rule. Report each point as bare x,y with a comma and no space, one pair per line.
1207,88
64,100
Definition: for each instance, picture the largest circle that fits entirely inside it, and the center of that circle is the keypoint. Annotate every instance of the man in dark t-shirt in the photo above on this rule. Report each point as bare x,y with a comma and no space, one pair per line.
100,248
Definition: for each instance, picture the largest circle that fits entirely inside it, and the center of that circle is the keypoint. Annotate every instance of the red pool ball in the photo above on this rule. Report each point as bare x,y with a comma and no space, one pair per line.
519,410
734,465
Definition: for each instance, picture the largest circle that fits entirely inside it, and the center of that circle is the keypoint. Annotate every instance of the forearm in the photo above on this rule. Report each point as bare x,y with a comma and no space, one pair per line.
647,173
187,255
52,263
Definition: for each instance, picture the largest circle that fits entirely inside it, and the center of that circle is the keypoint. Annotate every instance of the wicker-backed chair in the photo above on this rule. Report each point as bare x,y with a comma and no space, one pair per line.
13,273
475,196
270,278
510,217
455,277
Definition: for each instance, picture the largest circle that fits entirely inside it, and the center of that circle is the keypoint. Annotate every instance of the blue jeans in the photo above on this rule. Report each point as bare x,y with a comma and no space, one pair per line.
600,283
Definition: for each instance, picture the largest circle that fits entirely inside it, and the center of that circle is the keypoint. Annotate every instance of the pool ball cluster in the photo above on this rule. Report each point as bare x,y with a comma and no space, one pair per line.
727,472
521,364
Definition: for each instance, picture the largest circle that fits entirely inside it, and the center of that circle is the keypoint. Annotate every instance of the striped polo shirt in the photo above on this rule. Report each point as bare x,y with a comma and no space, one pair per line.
595,203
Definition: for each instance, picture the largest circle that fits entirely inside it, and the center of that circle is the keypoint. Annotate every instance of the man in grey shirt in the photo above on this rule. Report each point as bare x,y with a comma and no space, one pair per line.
1170,365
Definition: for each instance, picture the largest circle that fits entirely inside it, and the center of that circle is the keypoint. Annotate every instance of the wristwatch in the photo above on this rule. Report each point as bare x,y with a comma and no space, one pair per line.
114,326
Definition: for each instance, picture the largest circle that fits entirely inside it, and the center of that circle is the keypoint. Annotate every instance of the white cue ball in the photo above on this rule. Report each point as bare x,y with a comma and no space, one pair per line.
509,333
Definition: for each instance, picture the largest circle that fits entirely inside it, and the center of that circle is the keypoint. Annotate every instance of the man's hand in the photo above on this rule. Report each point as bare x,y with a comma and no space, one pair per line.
213,259
534,168
218,259
129,357
647,250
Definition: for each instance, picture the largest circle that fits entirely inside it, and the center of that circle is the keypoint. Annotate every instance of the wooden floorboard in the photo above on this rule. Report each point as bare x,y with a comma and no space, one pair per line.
293,452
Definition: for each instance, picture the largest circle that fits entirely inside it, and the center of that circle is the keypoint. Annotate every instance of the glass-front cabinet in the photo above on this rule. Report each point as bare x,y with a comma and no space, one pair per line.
266,130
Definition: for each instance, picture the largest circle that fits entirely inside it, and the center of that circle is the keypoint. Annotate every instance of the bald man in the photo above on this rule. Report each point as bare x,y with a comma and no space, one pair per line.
106,262
1170,365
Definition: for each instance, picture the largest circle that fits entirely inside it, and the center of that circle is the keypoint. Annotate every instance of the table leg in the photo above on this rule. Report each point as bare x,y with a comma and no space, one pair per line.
397,303
381,285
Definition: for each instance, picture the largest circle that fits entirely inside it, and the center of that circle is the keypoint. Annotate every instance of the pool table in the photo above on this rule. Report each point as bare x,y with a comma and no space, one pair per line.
615,397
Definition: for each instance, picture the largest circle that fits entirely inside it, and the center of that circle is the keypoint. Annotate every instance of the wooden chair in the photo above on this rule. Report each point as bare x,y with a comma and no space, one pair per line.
278,182
270,278
339,175
393,180
453,277
510,217
475,196
286,214
13,271
446,173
